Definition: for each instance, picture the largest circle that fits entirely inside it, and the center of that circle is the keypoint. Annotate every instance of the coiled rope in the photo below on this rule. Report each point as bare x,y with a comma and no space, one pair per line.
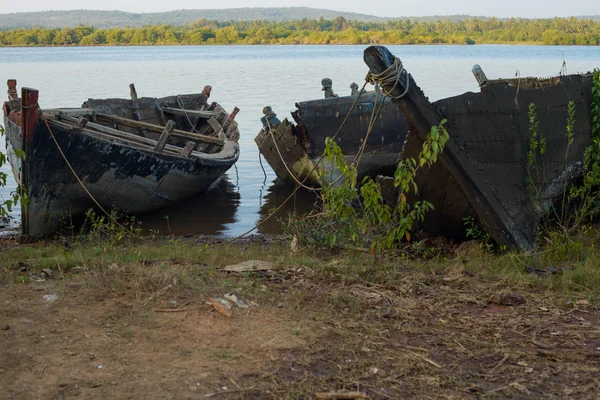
390,76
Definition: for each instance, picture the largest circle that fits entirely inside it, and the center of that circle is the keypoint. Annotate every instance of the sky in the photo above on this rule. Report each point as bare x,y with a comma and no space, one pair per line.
384,8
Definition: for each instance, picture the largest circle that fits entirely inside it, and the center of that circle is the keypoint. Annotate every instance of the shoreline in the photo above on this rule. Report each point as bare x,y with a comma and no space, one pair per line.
300,44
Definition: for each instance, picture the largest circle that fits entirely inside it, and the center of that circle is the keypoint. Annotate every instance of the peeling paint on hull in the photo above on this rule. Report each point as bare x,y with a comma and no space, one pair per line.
131,180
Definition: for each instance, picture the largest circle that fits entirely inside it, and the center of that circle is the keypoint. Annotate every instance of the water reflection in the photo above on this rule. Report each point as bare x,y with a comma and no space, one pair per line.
207,214
301,202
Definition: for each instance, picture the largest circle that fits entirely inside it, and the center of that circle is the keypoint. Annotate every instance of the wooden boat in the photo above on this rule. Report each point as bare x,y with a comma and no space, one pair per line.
293,149
483,170
134,155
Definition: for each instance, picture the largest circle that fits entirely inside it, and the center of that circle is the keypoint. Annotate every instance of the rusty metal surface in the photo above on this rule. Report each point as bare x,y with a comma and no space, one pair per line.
493,128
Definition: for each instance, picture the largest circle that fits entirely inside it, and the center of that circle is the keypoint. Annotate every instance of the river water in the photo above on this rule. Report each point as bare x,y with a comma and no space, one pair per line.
252,77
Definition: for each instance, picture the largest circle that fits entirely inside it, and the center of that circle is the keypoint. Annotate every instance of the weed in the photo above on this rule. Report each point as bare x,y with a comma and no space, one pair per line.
580,201
6,205
359,217
108,228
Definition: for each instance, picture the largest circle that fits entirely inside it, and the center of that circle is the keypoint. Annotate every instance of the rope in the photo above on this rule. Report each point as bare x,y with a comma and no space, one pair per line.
297,187
262,167
29,107
391,75
186,114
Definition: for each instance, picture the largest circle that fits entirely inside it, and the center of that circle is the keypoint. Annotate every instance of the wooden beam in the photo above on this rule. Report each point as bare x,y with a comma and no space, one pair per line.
187,150
158,128
126,136
193,113
421,116
164,136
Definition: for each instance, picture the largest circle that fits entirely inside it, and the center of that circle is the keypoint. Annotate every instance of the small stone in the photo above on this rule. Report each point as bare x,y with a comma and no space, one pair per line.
4,327
378,371
50,297
511,299
279,305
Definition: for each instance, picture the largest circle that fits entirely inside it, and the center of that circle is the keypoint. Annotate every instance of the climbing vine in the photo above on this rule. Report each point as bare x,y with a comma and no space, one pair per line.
580,201
6,205
586,194
359,216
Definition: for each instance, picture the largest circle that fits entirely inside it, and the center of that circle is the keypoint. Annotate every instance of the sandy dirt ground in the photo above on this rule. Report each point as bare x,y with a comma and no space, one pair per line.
149,331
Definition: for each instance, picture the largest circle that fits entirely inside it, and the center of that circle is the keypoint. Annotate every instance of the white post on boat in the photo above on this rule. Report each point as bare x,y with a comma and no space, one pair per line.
479,75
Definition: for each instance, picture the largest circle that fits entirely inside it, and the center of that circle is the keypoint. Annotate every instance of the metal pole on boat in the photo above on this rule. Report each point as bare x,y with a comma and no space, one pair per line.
30,117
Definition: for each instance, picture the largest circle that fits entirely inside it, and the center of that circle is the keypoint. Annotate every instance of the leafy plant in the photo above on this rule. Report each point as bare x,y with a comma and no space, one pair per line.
580,201
114,228
359,217
6,205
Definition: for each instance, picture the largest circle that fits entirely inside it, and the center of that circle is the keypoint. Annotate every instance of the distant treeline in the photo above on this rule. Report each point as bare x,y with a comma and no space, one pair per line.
556,31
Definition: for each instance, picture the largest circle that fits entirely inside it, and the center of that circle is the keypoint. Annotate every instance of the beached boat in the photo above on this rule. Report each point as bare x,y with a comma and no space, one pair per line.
292,149
133,155
483,170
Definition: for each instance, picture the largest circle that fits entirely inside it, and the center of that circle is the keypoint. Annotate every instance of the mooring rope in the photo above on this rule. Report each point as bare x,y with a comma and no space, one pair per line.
186,115
316,165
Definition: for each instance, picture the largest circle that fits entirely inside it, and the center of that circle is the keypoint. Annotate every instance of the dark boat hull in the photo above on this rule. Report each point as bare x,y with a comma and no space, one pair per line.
485,169
302,144
117,176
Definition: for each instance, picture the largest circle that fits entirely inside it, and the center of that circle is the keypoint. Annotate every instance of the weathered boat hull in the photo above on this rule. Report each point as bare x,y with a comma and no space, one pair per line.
483,169
119,177
302,145
72,165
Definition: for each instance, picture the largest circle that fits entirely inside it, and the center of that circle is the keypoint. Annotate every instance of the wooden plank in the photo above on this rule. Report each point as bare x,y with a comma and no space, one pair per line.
130,137
30,117
193,113
159,112
158,128
421,115
187,150
73,112
12,89
171,150
162,141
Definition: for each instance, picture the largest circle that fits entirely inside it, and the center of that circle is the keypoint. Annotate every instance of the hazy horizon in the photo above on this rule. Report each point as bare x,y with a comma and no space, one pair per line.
505,9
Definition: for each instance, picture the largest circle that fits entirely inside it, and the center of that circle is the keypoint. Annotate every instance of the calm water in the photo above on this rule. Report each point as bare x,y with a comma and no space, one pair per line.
252,77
